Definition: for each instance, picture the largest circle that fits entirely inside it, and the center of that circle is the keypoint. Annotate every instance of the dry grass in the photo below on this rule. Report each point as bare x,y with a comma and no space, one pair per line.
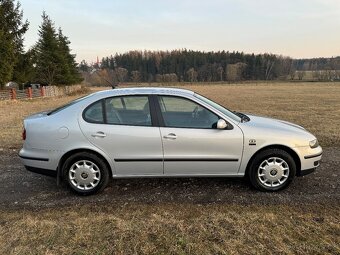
172,229
316,106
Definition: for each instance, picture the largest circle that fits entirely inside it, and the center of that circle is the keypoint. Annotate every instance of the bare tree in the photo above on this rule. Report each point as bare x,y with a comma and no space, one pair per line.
121,74
158,78
269,68
220,72
192,75
234,72
104,77
135,76
301,74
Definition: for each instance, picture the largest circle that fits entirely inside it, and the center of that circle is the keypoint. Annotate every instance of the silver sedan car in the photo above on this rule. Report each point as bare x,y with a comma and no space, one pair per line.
163,132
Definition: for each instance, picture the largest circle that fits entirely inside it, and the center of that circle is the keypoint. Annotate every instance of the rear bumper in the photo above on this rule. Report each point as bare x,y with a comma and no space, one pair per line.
40,159
41,171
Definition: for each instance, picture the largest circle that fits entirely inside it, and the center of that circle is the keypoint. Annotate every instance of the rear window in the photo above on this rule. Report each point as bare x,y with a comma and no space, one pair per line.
60,108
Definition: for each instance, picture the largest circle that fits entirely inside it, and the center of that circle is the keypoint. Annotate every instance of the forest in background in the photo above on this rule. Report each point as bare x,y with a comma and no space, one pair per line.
197,66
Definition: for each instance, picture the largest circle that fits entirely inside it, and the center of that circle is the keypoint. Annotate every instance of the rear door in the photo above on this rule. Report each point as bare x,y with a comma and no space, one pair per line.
124,127
192,143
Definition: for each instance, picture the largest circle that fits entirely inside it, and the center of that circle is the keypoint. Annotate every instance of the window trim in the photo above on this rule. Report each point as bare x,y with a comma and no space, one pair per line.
161,119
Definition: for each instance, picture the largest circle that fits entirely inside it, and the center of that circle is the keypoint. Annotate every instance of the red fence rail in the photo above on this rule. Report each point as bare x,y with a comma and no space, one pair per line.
29,93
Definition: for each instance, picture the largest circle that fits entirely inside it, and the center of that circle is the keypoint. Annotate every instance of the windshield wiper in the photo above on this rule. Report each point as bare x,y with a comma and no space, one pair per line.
244,118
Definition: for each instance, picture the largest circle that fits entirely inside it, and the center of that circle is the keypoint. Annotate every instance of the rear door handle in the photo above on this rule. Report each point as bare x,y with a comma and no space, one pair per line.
171,136
99,134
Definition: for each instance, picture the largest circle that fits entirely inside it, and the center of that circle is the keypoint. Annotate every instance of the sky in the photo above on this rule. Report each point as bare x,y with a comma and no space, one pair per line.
296,28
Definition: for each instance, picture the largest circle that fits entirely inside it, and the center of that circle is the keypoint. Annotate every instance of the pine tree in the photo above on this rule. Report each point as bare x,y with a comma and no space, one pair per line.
69,73
54,62
47,54
6,59
24,71
12,29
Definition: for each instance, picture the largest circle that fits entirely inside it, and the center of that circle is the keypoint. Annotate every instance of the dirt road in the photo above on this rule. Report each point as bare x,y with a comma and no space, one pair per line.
21,189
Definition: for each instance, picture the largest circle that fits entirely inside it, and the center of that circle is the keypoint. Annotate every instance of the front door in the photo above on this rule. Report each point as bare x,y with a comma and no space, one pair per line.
123,128
192,143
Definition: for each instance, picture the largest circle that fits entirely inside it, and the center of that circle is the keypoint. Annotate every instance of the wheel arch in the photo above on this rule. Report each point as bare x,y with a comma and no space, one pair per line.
277,146
71,152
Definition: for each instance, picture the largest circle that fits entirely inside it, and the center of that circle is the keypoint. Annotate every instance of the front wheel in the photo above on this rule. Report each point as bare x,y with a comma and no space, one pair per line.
86,173
272,170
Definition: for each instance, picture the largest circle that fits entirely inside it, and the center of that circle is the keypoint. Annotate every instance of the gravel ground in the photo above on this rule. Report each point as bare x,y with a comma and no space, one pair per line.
21,189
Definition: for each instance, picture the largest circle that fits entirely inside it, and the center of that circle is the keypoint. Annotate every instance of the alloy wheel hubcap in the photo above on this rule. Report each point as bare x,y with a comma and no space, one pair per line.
84,175
273,172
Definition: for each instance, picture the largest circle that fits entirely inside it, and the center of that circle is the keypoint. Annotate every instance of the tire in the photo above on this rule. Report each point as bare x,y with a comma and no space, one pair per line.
272,170
86,173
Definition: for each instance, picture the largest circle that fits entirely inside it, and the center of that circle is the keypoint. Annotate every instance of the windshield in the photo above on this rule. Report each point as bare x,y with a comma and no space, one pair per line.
60,108
225,111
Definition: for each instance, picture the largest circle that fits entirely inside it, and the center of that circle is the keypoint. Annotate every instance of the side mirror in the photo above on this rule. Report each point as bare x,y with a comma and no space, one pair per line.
221,124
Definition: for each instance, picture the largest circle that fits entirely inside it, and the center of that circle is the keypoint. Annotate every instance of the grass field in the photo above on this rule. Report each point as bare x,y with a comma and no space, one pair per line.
192,227
172,229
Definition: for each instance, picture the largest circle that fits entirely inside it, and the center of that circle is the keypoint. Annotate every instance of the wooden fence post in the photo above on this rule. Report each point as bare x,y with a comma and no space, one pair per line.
13,94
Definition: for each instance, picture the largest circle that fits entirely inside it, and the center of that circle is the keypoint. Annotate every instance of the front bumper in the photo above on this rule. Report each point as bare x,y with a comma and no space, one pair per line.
306,171
310,159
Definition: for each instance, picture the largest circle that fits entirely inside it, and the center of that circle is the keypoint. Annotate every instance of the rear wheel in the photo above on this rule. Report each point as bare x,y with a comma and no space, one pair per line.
86,173
272,170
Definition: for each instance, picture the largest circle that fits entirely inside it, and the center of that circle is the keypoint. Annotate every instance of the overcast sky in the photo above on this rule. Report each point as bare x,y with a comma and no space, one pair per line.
296,28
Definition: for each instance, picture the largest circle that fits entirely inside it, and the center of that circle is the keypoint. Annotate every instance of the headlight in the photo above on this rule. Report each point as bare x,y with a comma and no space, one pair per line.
313,144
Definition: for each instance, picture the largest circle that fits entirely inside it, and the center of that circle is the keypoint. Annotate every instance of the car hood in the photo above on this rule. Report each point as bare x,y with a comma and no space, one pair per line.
268,124
271,122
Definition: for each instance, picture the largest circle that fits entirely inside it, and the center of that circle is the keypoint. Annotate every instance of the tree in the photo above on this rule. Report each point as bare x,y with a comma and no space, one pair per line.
68,67
6,59
220,72
192,75
54,62
234,72
12,30
301,74
48,58
83,66
107,77
24,71
121,74
135,76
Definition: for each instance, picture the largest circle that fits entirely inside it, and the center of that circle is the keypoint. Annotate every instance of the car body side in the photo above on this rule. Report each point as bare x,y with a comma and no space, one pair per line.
50,138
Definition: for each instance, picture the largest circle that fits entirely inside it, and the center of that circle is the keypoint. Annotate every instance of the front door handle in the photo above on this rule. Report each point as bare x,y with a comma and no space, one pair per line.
171,136
99,134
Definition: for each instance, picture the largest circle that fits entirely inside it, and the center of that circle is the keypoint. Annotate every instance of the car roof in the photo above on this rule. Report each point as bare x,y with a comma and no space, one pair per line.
145,90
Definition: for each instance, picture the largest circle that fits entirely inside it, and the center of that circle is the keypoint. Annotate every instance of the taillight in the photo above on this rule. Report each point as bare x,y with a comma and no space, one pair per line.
24,134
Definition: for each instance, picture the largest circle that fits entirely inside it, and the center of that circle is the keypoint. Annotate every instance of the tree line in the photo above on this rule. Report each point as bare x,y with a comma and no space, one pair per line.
197,66
190,66
49,61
